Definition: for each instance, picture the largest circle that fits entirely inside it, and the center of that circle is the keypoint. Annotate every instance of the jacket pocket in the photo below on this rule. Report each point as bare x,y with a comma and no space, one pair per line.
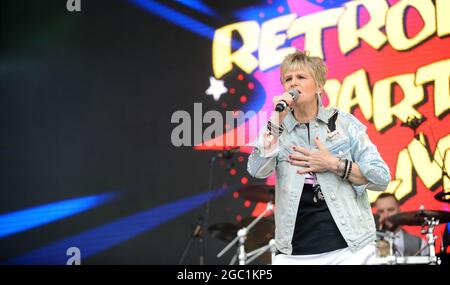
339,147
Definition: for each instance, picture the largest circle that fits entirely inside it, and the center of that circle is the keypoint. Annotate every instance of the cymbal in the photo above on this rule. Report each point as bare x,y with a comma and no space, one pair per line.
416,218
258,193
223,231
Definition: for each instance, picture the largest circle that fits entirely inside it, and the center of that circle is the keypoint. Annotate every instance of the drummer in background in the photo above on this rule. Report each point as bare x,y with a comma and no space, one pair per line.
405,244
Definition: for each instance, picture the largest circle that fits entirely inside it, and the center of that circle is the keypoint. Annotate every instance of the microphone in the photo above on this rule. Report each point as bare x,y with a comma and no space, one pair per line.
413,122
282,105
228,153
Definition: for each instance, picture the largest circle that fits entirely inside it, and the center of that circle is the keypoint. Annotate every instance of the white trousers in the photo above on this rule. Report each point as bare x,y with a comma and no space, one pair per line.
344,256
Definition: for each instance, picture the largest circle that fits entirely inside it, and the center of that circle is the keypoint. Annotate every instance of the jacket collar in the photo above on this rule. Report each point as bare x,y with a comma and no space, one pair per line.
323,115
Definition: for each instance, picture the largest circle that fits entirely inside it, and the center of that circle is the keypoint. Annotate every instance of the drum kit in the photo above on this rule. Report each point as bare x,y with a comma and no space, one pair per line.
254,236
428,220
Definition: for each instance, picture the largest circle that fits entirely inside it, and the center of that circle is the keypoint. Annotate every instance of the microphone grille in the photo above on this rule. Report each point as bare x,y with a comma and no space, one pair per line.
294,93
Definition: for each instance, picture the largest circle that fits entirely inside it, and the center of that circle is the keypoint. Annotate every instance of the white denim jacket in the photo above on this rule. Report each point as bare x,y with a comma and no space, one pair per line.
348,203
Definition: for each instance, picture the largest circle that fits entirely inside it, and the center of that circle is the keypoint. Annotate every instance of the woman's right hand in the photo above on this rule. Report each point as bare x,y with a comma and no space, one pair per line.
279,116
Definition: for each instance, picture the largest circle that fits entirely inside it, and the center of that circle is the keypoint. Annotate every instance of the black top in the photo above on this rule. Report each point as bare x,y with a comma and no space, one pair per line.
315,230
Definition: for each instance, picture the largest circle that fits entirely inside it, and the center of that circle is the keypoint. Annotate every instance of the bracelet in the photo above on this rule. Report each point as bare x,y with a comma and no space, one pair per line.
345,169
349,170
271,126
274,128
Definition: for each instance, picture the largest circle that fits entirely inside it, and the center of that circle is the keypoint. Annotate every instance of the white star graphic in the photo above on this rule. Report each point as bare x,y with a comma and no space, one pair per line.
216,88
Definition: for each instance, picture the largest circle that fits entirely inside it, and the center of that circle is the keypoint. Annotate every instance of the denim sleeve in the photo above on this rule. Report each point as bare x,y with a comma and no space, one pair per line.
261,163
366,155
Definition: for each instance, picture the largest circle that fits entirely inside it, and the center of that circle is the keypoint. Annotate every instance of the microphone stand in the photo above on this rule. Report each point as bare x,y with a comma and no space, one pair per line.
203,220
198,229
414,123
196,233
207,209
225,155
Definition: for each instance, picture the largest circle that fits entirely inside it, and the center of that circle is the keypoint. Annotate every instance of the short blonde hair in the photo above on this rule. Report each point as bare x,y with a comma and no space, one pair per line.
302,59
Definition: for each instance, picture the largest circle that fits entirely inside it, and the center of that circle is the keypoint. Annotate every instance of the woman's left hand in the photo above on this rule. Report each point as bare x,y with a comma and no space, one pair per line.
312,161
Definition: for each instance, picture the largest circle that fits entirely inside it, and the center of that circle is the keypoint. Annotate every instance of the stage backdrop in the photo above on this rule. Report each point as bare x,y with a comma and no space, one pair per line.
95,95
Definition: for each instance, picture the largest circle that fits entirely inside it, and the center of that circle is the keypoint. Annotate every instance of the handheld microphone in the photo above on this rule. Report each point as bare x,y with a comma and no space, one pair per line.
282,105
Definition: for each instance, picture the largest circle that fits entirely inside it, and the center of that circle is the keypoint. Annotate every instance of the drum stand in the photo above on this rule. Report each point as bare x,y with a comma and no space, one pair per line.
428,228
258,252
241,237
390,239
431,259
